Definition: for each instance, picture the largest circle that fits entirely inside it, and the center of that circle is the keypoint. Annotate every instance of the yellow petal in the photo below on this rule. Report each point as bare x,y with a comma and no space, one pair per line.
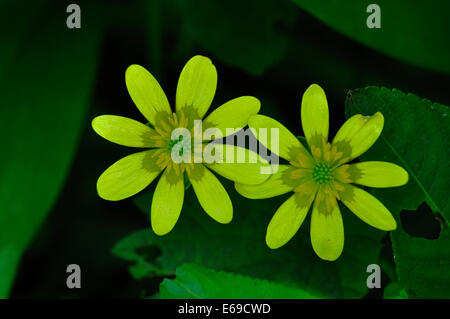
373,174
241,165
167,202
350,128
358,134
124,131
233,115
314,113
277,184
196,87
288,219
277,138
368,208
146,92
327,230
128,176
211,194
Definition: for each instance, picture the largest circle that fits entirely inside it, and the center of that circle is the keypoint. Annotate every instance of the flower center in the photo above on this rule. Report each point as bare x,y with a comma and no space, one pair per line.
178,145
322,173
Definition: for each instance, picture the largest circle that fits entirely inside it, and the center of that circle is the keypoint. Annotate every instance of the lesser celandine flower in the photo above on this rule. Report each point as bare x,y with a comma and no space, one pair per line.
320,177
195,92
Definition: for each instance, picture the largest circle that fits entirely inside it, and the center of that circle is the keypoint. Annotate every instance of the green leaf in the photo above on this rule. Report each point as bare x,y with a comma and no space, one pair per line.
240,247
251,42
395,291
195,282
415,136
423,265
45,95
413,32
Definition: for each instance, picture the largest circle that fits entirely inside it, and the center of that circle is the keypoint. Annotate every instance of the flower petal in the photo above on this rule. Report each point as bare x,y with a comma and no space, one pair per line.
211,194
367,208
128,176
277,184
146,92
373,174
288,219
357,135
284,143
233,115
314,113
196,87
327,230
124,131
241,165
167,202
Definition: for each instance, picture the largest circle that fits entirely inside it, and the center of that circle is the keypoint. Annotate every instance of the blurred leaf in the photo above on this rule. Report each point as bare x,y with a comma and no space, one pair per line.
195,282
415,136
413,32
12,38
44,99
238,33
240,247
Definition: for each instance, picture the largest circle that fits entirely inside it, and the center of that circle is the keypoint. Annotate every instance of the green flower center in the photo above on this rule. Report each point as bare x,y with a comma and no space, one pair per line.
322,173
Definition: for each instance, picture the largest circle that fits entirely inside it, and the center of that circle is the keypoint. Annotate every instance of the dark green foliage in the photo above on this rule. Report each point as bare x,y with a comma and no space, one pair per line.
194,282
415,136
240,247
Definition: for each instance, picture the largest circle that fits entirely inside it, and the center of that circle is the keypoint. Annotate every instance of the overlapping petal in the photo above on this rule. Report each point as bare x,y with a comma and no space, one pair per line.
211,194
358,134
277,184
288,219
196,87
128,176
240,165
233,115
146,93
277,138
167,202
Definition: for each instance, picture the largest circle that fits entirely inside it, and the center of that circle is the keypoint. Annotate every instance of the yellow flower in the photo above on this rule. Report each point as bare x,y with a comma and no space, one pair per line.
195,92
320,177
